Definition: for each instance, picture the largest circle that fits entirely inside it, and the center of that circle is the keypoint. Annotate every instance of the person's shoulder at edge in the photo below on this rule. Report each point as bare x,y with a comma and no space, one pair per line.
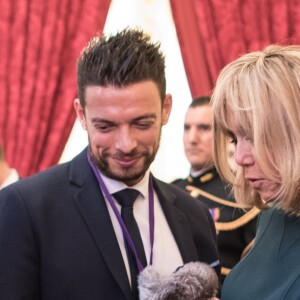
44,180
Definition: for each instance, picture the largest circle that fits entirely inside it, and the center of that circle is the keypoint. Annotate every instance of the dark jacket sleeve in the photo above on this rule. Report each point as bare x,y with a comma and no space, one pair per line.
19,257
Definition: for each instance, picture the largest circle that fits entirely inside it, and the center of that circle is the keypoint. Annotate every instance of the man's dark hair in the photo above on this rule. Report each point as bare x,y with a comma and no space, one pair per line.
199,101
125,58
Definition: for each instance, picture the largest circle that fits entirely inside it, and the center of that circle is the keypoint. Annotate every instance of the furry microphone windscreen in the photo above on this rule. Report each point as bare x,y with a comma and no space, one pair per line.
193,281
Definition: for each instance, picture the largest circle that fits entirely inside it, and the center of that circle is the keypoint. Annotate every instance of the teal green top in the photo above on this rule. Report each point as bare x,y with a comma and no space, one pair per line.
271,270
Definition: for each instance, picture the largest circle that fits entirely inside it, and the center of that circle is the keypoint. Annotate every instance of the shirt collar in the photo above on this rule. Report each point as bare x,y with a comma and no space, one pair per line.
195,174
114,186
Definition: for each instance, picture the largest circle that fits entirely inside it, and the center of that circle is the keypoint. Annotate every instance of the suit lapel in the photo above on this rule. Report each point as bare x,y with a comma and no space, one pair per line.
92,207
177,221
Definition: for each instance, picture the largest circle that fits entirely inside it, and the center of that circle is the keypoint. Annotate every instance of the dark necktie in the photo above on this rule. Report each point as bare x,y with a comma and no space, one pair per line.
126,199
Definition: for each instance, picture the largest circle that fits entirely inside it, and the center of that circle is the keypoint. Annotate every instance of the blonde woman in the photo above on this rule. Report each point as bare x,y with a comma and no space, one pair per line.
256,102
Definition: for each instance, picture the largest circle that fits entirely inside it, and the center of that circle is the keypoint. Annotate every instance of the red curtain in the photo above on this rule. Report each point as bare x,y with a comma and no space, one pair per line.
40,41
212,33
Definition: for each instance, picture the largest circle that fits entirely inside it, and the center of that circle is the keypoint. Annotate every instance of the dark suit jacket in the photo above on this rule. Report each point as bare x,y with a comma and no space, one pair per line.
57,241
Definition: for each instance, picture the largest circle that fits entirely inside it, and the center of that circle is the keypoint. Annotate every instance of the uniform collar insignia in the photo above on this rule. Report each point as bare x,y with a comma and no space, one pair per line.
206,177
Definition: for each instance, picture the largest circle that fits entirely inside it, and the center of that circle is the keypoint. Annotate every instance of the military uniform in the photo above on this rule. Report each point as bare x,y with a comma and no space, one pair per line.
235,226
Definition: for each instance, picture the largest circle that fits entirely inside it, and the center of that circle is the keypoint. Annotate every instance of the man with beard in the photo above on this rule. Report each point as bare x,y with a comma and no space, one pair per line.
68,232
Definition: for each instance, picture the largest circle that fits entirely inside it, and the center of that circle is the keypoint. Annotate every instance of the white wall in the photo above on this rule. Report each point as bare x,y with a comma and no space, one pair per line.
155,18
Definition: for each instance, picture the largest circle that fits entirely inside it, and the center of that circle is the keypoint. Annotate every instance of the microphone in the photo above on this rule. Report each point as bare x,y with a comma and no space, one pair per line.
192,281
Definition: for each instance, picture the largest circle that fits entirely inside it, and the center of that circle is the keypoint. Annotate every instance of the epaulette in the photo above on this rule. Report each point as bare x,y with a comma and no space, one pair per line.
206,177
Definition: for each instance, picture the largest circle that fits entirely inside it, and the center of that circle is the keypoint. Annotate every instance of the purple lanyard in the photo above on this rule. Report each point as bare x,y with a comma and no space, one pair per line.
119,218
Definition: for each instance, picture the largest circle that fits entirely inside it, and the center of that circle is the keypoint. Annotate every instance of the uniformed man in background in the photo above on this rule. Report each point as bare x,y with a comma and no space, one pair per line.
235,226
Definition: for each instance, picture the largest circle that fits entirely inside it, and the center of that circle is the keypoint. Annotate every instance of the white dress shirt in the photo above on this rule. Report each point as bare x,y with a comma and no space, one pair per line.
166,255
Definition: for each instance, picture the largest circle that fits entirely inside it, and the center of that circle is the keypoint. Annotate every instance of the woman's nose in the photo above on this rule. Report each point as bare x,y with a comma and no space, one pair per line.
243,153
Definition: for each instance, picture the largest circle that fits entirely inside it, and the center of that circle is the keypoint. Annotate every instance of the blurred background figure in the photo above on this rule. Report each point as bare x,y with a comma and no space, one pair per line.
7,175
235,228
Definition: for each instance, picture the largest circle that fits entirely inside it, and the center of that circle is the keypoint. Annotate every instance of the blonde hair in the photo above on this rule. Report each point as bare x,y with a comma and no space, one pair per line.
262,91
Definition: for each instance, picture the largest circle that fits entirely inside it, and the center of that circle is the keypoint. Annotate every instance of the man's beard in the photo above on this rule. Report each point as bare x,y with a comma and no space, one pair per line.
126,175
